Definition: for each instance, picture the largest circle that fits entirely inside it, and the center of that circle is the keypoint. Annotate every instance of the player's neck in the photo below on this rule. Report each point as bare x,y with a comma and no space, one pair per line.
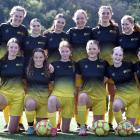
11,57
117,64
105,24
92,58
38,66
35,35
64,60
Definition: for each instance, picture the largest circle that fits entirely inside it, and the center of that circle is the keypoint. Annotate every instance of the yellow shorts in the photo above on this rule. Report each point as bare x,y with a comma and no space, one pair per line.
130,98
67,106
15,100
97,97
42,105
79,53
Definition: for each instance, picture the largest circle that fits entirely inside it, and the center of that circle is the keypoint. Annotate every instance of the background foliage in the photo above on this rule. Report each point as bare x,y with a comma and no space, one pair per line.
45,10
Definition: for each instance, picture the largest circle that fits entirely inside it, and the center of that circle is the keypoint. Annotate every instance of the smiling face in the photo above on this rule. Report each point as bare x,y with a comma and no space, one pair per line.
38,59
80,20
13,49
65,53
127,26
59,24
105,14
35,27
117,55
92,50
17,18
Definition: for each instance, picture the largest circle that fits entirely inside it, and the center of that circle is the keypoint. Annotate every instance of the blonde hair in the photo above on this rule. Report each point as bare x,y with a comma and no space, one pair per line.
12,40
18,8
117,48
64,44
91,42
80,11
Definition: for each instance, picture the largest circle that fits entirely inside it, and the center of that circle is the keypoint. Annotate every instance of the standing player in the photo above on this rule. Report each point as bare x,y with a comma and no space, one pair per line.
55,36
92,71
37,77
126,92
107,33
34,40
12,28
129,40
79,35
11,90
62,96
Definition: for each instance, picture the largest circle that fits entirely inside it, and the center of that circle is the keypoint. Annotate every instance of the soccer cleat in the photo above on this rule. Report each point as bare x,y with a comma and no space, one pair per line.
54,132
30,130
82,131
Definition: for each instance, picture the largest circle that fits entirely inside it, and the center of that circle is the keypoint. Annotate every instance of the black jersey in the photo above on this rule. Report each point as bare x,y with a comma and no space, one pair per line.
122,75
130,43
31,43
53,39
106,35
92,72
79,37
7,31
64,78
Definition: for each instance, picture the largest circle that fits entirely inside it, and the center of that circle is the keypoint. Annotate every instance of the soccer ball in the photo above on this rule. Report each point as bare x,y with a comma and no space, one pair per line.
101,128
124,128
43,128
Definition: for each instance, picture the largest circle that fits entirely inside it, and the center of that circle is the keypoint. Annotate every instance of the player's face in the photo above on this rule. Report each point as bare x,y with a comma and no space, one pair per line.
138,55
127,27
80,20
38,58
35,27
92,50
105,15
13,49
65,53
117,56
17,18
59,24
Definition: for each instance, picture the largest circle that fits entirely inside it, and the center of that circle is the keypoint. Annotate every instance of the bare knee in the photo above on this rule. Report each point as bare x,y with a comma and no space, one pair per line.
52,103
83,98
30,105
117,105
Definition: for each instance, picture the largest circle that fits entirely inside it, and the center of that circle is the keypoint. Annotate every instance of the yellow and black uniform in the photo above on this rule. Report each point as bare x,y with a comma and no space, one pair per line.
78,38
108,39
30,43
7,31
64,77
126,89
11,73
130,44
37,89
53,39
93,74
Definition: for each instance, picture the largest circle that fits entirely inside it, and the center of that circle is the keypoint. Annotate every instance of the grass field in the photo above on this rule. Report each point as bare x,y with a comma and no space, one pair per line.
61,136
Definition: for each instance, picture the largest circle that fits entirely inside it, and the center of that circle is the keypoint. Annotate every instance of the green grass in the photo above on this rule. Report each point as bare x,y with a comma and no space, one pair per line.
61,136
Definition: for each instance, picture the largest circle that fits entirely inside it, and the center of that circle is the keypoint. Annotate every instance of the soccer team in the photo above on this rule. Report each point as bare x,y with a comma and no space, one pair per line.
96,69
